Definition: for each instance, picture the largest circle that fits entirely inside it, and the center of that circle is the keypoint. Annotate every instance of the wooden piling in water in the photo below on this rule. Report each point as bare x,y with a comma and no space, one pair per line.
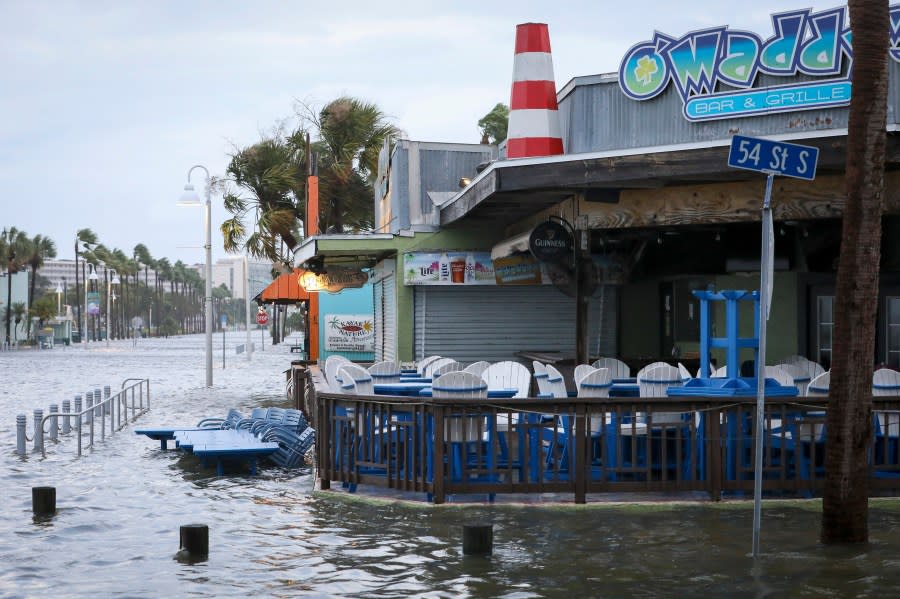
194,539
478,539
43,501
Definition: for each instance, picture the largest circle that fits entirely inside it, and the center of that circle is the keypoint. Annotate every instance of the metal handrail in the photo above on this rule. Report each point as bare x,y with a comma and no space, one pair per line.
130,397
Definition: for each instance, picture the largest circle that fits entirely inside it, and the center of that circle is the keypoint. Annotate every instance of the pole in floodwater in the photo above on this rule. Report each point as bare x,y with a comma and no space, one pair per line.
38,430
21,422
43,501
478,539
194,540
53,431
66,425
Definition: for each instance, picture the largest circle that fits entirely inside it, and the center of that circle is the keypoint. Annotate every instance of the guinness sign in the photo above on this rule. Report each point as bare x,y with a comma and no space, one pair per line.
551,242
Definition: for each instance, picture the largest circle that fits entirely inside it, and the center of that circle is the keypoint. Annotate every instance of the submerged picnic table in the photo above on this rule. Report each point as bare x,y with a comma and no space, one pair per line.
221,444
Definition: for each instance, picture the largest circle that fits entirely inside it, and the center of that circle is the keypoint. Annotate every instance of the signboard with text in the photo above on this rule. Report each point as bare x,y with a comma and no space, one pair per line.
778,157
715,70
448,268
349,332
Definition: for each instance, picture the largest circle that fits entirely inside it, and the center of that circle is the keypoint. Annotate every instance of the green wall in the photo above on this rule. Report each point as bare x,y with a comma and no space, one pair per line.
640,318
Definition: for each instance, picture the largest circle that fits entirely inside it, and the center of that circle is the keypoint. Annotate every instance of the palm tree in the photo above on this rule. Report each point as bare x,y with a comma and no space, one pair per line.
86,238
351,133
845,499
266,181
19,311
12,249
38,248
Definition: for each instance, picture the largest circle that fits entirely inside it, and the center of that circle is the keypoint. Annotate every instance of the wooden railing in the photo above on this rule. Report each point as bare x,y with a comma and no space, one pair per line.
581,446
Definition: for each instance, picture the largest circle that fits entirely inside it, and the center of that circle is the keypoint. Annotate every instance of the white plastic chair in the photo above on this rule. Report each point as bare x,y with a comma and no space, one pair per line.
508,375
780,376
596,383
617,368
581,371
655,382
385,372
886,382
648,367
332,365
798,375
443,366
540,378
461,385
555,382
424,362
685,373
356,380
477,367
818,386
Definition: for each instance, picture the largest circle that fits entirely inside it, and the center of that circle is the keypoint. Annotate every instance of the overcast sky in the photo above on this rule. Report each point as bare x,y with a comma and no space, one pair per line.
104,106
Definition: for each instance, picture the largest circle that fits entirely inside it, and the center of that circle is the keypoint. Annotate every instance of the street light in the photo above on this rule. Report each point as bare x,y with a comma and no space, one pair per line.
92,276
247,303
190,198
59,298
110,281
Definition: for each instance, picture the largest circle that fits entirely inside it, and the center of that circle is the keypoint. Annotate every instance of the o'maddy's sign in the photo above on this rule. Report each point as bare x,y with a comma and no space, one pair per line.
715,69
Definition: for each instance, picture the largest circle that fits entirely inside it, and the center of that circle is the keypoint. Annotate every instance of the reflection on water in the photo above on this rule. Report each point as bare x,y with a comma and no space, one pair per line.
120,508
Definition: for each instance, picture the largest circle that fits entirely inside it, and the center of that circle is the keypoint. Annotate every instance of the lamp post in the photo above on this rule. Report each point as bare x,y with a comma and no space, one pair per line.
110,281
247,303
59,298
92,276
190,198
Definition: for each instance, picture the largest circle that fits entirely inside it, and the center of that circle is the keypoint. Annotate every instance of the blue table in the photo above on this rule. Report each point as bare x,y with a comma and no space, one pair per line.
403,388
415,379
224,443
625,390
491,393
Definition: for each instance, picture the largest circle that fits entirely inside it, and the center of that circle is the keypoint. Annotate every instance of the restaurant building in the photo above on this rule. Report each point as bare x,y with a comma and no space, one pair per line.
641,179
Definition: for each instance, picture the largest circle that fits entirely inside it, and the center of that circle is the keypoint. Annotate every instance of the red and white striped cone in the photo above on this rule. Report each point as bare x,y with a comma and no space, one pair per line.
533,111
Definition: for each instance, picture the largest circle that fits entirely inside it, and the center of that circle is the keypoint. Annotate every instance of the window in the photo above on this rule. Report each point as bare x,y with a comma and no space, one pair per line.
892,320
825,327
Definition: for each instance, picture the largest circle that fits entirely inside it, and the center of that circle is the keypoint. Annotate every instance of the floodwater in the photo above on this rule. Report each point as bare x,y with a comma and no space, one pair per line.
120,507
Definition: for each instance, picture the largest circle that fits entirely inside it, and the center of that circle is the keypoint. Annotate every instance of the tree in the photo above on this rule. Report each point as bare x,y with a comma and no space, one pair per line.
494,124
12,249
351,133
19,311
39,248
266,180
849,420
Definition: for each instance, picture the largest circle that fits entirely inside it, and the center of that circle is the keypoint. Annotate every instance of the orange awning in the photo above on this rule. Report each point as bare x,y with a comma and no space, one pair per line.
284,290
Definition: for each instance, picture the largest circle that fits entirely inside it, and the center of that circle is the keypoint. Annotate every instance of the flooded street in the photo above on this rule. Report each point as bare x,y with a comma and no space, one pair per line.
121,504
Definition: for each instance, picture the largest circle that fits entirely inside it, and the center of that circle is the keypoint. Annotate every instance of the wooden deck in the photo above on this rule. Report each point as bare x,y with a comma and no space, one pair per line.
579,446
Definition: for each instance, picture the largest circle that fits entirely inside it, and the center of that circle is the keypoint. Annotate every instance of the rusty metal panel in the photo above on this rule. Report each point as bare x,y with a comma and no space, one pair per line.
598,117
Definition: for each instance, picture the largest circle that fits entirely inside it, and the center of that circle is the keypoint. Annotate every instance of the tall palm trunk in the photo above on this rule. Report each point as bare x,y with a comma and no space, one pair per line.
849,421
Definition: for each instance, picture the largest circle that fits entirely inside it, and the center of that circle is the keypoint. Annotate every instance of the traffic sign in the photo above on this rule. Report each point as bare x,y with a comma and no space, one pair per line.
773,157
262,317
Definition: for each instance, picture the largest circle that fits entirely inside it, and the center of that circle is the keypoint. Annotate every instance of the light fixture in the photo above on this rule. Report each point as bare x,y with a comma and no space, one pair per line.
92,272
190,198
464,182
658,239
309,280
718,236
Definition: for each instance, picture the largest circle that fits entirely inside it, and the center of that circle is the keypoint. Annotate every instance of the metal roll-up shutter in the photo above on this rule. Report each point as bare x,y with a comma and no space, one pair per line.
494,322
385,302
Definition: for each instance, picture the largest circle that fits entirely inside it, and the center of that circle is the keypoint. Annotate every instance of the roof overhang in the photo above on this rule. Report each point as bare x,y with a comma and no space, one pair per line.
352,251
509,191
285,289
